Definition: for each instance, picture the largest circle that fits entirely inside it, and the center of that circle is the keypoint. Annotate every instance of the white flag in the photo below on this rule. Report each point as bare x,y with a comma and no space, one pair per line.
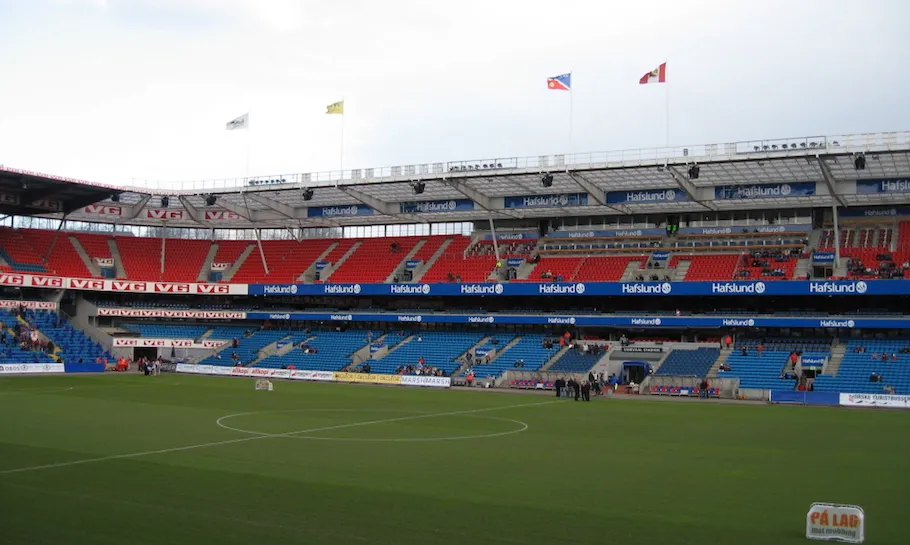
242,122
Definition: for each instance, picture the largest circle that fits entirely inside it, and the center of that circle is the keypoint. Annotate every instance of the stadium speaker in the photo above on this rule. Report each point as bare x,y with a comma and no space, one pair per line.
859,162
543,227
547,180
308,194
115,197
210,200
165,201
693,172
418,187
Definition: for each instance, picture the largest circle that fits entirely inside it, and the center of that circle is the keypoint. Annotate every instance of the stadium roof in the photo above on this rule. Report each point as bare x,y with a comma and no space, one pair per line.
27,193
817,171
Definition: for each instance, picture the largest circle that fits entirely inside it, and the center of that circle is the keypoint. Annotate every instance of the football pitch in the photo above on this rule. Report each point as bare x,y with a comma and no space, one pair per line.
115,459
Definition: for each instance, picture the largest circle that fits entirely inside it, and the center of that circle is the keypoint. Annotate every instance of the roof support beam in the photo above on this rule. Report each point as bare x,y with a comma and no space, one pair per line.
482,200
297,214
382,207
692,191
596,193
829,180
132,212
193,212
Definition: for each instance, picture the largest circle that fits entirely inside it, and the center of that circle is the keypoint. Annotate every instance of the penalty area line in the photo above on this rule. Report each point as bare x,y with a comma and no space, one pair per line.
259,437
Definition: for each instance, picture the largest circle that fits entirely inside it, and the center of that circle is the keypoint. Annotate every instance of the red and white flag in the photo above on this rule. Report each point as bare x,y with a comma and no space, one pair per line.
658,75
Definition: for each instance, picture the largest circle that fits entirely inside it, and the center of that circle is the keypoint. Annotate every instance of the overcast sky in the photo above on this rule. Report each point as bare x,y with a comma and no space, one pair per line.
111,90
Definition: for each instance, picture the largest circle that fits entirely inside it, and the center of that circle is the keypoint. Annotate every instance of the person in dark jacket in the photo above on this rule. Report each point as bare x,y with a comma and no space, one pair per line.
576,387
559,384
586,391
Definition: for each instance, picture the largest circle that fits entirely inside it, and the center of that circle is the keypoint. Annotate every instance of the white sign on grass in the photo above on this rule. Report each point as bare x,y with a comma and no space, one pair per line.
836,522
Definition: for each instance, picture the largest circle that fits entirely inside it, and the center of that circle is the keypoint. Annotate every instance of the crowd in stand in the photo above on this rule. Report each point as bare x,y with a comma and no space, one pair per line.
25,336
887,268
766,259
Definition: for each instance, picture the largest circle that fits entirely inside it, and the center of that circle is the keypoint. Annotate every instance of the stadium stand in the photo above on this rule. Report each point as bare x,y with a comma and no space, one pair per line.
863,359
689,363
719,267
167,331
248,348
330,351
575,361
19,253
74,345
11,352
439,349
374,260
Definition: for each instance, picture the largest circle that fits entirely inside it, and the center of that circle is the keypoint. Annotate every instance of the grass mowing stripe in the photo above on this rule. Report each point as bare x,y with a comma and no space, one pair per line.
258,437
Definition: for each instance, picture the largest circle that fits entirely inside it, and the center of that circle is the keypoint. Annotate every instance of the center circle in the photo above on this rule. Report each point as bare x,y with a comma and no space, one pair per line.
516,426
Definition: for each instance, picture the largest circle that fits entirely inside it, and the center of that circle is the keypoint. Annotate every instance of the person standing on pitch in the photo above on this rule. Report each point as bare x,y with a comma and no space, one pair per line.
586,391
576,387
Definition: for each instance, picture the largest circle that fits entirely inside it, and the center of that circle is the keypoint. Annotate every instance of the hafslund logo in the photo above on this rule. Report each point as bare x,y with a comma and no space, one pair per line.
338,289
561,321
836,288
341,317
733,288
279,316
333,211
482,289
837,323
734,322
562,289
417,318
410,289
664,288
646,321
651,196
280,290
480,319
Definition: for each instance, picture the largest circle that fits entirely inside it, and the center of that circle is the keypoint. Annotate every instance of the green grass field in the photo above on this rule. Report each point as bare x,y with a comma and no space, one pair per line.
121,460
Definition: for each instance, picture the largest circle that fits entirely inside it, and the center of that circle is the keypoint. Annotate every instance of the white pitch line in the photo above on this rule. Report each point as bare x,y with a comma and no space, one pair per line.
258,437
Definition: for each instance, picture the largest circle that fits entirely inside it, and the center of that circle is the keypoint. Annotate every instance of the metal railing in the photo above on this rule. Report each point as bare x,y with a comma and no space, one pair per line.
778,147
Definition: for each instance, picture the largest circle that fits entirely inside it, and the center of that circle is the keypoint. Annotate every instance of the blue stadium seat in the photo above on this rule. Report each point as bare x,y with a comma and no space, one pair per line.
857,367
689,363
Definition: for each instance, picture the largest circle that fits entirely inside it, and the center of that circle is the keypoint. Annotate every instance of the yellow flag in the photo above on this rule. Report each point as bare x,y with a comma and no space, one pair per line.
335,108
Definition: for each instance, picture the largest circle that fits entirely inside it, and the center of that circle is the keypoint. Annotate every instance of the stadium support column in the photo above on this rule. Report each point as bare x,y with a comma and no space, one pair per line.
836,238
265,265
495,244
50,248
163,250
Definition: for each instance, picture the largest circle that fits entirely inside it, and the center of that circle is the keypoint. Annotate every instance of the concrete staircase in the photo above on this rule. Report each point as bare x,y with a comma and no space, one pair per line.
525,270
679,273
308,276
207,264
232,270
328,271
89,263
554,358
403,264
834,362
464,366
504,349
722,359
802,268
119,270
632,270
418,274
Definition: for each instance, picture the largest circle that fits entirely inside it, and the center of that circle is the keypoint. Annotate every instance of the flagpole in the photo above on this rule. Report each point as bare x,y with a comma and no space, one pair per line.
249,136
667,95
341,156
571,116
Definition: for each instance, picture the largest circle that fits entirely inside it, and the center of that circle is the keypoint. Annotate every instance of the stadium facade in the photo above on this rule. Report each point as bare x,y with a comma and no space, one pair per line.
799,245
